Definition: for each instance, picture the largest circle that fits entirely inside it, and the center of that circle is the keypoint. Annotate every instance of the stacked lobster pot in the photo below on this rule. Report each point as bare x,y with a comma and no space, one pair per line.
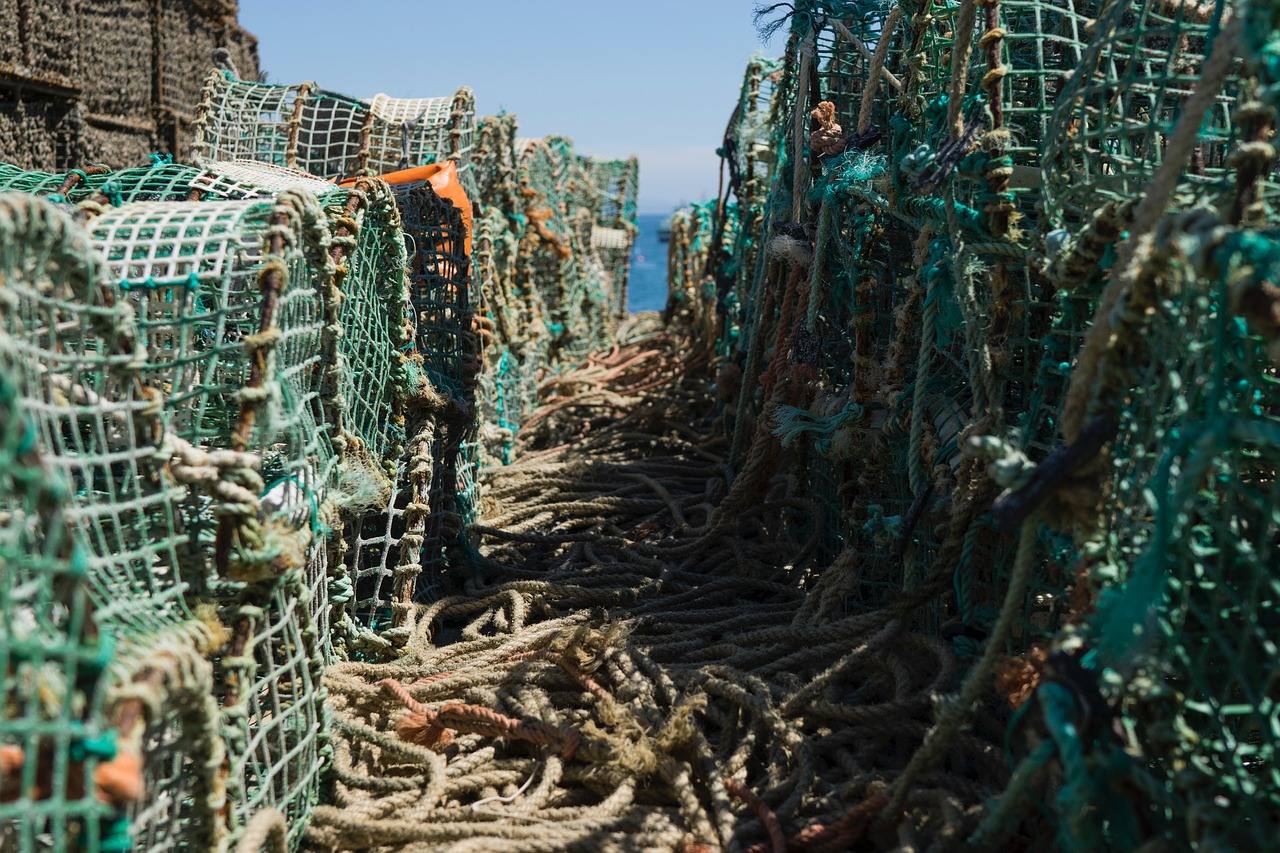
186,414
998,323
579,227
247,400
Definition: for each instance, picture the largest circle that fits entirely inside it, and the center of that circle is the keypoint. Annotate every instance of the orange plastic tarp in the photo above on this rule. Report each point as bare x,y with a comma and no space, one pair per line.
444,180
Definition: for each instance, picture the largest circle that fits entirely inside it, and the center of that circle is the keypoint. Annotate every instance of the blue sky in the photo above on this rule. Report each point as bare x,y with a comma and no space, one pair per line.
654,78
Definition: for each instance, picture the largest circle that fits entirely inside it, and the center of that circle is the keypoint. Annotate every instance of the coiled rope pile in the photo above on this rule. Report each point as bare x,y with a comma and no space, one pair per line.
620,678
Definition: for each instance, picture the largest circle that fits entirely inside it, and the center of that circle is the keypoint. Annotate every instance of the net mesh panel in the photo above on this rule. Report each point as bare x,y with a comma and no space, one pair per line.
612,247
242,179
494,161
377,331
749,158
72,356
1112,119
330,140
240,120
1191,526
17,179
161,181
579,291
52,735
190,272
615,183
406,132
542,266
373,325
375,322
74,361
331,135
957,285
691,293
440,294
515,344
276,729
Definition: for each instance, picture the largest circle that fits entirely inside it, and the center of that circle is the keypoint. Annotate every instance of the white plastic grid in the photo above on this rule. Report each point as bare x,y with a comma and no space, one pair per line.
246,179
429,139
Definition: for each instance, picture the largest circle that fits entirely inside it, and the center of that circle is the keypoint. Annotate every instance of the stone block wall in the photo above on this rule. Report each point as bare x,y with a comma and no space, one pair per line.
108,81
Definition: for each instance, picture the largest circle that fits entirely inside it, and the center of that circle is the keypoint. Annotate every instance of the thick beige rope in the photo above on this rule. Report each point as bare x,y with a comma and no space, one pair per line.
633,678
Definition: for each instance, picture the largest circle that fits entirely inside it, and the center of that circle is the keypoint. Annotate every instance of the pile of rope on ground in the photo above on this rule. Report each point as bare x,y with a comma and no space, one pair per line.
622,675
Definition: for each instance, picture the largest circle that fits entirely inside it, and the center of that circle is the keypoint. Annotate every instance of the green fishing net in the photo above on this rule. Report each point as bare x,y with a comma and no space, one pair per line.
694,299
331,135
71,351
237,373
271,433
581,284
373,380
494,163
52,655
300,126
912,307
514,339
1113,116
1183,559
160,181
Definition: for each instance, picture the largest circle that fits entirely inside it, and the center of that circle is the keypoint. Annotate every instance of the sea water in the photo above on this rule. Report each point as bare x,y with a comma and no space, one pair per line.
647,287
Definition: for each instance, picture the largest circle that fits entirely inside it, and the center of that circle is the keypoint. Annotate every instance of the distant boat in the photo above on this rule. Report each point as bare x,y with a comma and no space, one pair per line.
664,231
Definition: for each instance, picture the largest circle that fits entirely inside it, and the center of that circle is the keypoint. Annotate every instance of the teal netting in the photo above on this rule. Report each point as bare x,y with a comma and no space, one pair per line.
230,300
951,237
53,745
406,132
512,330
301,127
160,181
71,351
574,209
268,429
